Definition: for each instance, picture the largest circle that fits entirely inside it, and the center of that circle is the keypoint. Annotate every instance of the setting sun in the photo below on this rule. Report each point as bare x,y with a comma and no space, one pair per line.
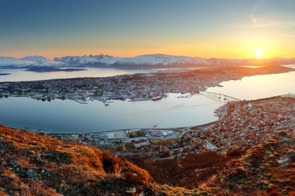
259,53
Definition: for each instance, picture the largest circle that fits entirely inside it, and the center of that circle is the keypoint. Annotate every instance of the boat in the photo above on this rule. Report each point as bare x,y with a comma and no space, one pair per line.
156,98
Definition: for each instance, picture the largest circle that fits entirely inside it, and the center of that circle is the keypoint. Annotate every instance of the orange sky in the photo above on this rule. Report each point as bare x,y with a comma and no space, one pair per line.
210,29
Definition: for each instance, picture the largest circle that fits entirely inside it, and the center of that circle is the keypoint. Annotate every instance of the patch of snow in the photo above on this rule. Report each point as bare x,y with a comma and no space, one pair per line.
283,161
210,146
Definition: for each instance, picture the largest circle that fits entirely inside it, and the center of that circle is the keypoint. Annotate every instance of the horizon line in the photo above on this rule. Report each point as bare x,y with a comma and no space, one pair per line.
148,54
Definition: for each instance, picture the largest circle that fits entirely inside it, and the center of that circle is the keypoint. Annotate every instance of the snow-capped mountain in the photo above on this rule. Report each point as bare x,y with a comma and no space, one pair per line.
162,59
117,62
91,59
37,59
28,61
124,62
215,61
150,59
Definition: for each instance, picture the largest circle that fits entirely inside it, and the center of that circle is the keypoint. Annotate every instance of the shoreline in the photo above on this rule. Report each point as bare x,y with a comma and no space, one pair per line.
122,134
40,131
133,87
105,101
69,132
217,111
215,135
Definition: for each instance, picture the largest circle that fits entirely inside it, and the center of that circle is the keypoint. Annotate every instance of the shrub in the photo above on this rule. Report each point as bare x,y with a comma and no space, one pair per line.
237,152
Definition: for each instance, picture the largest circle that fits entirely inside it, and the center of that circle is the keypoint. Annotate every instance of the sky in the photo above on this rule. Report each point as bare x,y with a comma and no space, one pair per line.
126,28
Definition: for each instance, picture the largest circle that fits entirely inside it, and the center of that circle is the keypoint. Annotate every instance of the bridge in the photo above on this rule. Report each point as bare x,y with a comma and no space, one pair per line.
220,96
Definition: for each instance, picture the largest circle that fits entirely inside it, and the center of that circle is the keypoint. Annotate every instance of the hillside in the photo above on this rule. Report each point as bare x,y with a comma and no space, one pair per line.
38,165
33,164
265,169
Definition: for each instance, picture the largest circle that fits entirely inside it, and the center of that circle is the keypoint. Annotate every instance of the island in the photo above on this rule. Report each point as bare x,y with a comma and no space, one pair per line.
135,87
4,74
53,69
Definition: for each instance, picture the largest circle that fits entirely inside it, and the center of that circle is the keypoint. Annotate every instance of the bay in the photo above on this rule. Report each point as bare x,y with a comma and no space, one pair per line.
17,75
69,116
258,87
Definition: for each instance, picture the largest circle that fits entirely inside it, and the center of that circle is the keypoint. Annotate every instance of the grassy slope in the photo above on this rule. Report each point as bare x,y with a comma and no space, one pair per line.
265,169
38,165
34,164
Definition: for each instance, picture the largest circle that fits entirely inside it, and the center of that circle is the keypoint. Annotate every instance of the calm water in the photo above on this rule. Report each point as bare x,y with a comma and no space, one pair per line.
256,87
70,116
22,75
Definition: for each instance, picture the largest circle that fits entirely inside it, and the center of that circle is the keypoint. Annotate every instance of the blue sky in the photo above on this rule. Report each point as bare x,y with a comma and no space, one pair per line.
207,28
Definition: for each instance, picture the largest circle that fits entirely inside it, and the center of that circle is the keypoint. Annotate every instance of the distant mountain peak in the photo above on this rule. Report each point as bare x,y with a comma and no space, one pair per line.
90,59
28,61
162,59
38,59
135,62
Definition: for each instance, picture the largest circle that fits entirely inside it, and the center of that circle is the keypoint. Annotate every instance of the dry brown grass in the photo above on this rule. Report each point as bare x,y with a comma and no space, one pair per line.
261,170
73,169
188,172
60,167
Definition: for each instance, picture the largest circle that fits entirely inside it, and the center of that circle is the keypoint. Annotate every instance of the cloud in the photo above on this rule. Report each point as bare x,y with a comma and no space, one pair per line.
258,4
263,23
253,18
260,20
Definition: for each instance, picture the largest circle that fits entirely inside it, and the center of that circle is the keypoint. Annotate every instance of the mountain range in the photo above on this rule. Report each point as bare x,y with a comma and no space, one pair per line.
28,61
153,59
138,61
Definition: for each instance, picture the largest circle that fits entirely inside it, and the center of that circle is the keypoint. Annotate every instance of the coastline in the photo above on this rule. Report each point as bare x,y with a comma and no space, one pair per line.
114,135
224,134
106,101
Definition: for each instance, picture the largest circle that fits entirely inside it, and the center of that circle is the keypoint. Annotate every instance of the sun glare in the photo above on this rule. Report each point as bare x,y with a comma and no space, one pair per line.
259,53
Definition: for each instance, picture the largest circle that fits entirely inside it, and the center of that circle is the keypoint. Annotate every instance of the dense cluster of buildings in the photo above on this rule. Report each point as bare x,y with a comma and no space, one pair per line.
137,137
134,87
243,124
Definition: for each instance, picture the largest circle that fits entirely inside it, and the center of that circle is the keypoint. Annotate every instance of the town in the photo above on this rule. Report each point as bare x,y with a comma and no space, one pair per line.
136,87
241,125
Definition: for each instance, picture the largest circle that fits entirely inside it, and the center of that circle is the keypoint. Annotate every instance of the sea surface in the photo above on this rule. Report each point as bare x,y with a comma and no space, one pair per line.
71,117
17,75
257,87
